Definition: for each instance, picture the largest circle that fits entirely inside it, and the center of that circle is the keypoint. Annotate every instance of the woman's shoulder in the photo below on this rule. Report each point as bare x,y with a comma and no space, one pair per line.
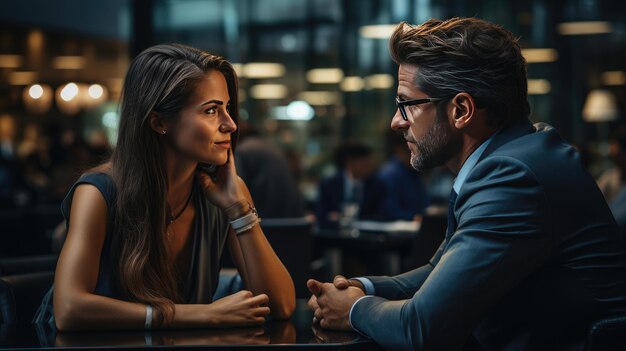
99,177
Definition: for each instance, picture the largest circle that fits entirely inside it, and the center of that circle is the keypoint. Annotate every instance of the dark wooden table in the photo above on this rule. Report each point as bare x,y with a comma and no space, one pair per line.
294,334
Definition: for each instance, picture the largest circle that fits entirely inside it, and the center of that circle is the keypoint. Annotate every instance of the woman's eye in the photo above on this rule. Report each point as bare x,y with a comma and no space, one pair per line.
210,111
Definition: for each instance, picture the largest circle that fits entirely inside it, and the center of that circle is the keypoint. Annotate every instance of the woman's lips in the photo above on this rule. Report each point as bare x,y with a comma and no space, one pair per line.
223,144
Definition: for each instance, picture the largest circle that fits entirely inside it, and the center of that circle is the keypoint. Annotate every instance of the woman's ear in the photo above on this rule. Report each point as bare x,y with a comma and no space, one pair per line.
156,123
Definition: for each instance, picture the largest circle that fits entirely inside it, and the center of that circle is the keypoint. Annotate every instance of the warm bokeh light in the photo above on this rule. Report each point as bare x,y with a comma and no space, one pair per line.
268,91
379,81
538,86
377,31
324,75
257,70
68,62
10,61
95,91
37,98
35,91
22,78
69,91
352,83
537,55
584,28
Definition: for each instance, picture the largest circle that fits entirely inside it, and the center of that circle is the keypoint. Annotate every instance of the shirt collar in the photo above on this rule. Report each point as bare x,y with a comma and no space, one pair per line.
469,164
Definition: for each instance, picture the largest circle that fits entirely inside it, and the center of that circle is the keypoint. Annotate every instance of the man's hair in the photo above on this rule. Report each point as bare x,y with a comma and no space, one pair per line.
351,151
466,55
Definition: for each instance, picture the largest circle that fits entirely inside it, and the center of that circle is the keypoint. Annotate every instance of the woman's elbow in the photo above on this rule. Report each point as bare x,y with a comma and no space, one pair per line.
284,309
66,314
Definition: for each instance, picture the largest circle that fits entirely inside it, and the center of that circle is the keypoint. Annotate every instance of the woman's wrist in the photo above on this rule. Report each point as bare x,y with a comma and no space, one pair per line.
238,209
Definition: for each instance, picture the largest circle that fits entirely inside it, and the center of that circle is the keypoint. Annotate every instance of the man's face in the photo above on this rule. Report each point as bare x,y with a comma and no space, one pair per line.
429,135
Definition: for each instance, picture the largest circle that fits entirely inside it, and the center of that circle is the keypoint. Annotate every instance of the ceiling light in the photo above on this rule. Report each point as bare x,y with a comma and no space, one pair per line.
324,75
263,70
614,78
22,78
35,91
10,61
377,31
95,91
538,86
600,106
268,91
379,81
69,91
540,55
352,83
37,98
296,111
584,28
68,62
319,98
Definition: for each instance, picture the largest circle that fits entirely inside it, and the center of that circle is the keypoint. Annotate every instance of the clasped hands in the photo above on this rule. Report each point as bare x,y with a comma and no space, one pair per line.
331,302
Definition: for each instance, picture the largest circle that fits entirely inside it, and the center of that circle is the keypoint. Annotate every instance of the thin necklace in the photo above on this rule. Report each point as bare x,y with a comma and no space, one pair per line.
171,218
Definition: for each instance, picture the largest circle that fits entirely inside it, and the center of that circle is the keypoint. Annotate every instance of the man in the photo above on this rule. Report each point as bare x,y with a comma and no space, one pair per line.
270,179
350,191
526,263
612,183
402,194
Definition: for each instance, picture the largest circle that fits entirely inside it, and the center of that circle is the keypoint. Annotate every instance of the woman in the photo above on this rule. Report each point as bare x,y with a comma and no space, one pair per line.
146,231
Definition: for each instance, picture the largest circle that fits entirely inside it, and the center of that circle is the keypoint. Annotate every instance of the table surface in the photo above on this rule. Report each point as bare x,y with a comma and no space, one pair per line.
294,334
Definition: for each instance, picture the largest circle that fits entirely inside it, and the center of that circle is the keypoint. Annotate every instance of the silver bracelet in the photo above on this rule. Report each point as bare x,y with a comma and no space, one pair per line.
245,222
148,324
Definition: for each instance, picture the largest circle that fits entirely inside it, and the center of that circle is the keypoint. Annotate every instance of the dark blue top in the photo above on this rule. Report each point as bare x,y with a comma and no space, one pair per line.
210,231
403,194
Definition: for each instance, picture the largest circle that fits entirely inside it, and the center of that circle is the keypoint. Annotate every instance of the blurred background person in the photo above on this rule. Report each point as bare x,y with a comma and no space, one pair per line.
402,194
350,192
612,182
266,171
9,167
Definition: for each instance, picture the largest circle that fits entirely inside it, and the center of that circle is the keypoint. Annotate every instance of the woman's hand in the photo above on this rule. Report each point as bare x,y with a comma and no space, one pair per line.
225,189
239,309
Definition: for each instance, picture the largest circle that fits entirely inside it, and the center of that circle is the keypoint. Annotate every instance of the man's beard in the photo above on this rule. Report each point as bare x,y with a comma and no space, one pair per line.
436,147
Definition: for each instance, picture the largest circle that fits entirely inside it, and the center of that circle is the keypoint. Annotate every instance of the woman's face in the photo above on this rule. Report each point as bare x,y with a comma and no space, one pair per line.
203,129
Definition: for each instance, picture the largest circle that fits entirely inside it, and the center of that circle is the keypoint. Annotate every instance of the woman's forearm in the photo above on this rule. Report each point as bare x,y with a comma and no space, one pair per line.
265,272
85,311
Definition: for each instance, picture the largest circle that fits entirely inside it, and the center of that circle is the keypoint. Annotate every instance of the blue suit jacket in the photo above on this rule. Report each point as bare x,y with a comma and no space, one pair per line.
535,258
331,195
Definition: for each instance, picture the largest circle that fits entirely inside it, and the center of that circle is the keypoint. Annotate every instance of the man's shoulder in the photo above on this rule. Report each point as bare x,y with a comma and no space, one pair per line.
543,144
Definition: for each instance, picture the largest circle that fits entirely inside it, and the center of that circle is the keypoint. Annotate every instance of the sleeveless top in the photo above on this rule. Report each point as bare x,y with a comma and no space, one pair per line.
210,231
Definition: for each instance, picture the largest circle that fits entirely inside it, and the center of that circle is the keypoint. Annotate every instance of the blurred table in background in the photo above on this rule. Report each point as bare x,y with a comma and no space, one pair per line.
380,248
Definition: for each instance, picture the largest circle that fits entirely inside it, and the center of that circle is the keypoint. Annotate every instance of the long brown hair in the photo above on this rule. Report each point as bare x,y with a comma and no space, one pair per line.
160,80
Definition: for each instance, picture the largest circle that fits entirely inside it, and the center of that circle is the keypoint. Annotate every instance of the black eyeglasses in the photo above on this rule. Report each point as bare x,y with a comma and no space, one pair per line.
403,103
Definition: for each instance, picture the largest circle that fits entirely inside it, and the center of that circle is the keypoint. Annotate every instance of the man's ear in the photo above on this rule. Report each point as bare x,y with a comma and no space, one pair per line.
156,123
463,108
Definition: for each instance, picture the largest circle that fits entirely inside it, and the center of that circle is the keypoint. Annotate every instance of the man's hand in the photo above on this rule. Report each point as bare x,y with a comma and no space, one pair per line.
341,282
331,306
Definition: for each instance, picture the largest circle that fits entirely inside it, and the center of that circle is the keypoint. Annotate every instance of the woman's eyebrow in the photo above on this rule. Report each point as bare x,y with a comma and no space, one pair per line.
219,102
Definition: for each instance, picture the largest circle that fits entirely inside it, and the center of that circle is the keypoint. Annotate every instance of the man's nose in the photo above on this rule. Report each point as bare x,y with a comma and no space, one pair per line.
398,123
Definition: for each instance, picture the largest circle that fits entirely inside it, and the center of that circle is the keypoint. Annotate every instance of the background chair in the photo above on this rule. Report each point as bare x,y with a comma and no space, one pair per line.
21,294
292,240
426,241
608,334
28,264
